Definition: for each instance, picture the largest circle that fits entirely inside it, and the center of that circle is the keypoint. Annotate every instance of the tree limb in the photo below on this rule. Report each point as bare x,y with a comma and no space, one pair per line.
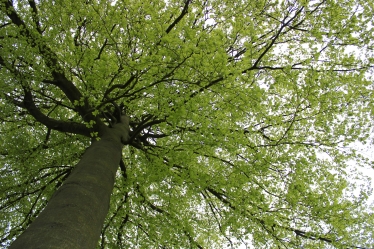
50,123
180,17
51,60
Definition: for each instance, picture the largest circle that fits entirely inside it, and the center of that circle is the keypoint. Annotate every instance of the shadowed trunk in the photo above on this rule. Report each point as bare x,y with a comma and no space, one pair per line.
75,214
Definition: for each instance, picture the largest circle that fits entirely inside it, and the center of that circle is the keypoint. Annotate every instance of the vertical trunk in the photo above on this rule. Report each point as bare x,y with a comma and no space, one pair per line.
75,214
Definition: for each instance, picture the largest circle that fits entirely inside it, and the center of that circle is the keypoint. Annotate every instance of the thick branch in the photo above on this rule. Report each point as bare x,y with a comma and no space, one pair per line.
64,126
35,15
51,60
180,17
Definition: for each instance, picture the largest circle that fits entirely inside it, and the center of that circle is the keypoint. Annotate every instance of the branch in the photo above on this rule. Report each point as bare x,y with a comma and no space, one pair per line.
275,38
312,236
120,86
144,124
51,60
161,211
50,123
35,16
180,17
101,49
5,24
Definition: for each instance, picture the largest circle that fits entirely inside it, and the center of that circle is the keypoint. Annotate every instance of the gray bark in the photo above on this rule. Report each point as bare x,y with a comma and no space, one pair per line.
75,213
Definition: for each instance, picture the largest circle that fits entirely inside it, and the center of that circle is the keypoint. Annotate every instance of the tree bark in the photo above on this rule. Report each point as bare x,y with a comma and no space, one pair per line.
75,214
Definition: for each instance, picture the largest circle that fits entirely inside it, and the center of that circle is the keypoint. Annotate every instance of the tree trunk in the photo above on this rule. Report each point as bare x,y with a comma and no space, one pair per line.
75,214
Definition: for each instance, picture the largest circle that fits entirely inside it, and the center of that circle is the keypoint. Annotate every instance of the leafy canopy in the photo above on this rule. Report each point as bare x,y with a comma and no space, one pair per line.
242,113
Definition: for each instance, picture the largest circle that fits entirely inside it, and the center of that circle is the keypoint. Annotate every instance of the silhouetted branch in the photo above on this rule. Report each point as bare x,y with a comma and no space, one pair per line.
64,126
180,17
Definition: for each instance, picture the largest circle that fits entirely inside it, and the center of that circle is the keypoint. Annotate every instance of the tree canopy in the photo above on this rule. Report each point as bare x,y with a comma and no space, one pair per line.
242,114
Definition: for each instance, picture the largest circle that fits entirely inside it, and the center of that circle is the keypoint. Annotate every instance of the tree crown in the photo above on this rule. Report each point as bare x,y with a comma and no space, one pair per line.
242,114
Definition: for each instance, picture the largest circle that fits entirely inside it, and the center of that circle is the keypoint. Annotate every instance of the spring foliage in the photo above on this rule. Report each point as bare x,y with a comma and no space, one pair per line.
242,116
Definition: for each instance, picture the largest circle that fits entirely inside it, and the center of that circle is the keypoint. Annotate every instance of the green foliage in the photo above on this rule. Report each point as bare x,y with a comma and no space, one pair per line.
242,116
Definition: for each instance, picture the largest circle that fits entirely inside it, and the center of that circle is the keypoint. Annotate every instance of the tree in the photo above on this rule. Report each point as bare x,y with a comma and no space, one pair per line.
184,124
